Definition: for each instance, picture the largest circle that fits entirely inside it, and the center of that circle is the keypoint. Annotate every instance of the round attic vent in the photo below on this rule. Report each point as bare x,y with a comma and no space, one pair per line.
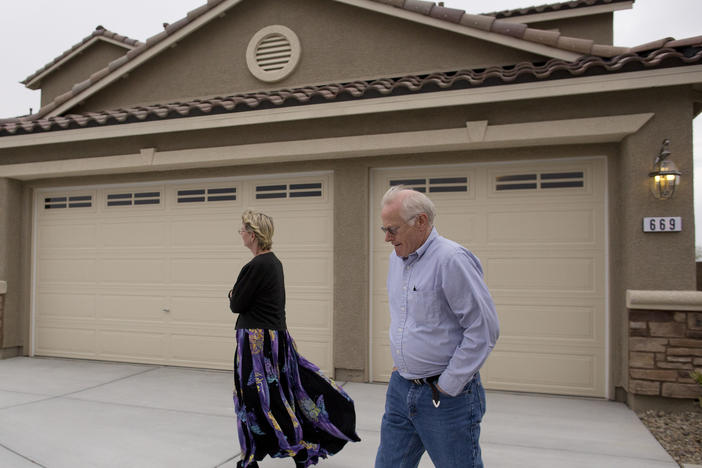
273,53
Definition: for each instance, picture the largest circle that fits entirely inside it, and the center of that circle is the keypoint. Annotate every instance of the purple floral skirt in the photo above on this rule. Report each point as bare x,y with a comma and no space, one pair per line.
285,406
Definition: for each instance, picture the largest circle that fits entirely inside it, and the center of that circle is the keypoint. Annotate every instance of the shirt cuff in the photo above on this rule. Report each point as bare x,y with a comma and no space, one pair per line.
452,385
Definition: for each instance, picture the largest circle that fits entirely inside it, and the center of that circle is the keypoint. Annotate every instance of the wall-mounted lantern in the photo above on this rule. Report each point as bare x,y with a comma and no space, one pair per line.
665,175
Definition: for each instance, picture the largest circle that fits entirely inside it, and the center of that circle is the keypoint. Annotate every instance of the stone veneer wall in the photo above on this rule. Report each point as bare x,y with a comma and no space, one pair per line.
665,343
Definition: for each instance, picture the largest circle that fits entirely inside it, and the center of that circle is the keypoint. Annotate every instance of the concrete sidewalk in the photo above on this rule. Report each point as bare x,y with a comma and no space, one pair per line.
60,413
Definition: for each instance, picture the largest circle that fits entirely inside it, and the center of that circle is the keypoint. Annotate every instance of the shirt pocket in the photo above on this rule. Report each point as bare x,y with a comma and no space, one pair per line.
425,307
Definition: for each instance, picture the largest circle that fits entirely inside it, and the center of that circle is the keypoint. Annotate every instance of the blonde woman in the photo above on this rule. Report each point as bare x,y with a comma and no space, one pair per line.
285,406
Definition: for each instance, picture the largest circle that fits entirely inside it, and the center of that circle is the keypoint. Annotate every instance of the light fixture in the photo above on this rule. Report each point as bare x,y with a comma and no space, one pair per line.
665,176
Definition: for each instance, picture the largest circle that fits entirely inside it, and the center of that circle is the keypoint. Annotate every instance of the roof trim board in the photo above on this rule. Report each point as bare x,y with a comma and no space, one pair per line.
535,90
573,13
557,132
34,83
475,33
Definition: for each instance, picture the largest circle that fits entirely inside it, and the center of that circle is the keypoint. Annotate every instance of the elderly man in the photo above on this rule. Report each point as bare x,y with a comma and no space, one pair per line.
443,325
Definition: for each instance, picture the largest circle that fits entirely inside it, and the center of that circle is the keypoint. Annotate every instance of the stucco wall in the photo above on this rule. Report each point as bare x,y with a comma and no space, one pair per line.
79,68
11,266
340,43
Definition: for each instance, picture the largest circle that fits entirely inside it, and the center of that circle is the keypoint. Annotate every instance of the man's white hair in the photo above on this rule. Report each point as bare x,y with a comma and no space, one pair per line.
412,204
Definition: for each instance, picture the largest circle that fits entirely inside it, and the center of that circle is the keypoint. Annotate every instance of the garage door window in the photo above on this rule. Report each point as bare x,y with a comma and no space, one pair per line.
132,199
434,184
306,190
543,181
77,201
207,195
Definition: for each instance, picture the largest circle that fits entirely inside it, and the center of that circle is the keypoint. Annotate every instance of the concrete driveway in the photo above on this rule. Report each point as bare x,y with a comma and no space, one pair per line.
61,413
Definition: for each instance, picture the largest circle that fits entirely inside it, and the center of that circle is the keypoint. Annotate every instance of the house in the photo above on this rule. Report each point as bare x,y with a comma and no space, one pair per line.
534,135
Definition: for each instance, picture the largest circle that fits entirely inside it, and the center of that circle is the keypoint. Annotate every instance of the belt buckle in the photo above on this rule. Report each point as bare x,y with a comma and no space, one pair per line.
418,381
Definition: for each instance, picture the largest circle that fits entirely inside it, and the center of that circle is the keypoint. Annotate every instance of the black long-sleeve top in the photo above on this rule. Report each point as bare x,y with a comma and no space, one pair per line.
258,295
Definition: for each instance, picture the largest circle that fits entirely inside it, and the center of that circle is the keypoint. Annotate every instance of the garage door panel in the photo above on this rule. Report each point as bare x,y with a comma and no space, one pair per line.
464,228
144,234
314,347
538,273
309,270
66,305
203,351
204,233
316,235
547,323
135,270
200,271
543,372
308,310
68,270
59,237
200,310
69,342
563,226
380,270
141,346
382,359
139,308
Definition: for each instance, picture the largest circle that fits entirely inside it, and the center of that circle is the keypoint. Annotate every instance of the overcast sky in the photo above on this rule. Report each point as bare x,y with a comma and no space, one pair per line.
34,32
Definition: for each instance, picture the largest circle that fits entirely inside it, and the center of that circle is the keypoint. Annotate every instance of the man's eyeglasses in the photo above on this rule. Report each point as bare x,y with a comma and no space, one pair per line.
393,230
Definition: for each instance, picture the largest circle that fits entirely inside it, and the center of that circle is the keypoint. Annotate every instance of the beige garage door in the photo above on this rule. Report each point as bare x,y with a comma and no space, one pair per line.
141,273
539,232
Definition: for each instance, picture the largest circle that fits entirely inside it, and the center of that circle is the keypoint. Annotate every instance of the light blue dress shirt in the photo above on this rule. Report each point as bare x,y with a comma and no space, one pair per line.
442,317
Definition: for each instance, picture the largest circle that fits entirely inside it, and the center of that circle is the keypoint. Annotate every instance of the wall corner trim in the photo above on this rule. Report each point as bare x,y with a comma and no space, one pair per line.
3,287
664,300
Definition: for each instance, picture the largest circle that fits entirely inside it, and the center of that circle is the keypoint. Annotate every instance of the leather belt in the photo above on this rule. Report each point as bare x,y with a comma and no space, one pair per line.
431,381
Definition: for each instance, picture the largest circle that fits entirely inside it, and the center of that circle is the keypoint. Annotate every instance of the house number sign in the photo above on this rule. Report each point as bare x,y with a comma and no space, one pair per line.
662,224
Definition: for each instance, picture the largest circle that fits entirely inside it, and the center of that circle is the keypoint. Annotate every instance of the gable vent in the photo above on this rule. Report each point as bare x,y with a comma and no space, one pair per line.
273,53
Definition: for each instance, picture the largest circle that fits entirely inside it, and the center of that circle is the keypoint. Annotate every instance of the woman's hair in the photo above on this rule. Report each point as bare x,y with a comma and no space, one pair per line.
262,227
412,204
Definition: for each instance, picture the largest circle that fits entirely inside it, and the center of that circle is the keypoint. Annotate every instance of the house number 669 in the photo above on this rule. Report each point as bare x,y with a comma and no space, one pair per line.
662,224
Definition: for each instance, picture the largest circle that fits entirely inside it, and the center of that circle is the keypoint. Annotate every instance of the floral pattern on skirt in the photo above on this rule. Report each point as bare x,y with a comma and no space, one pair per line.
285,406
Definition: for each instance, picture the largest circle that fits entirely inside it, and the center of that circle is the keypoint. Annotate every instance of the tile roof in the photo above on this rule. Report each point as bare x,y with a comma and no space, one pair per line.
552,7
583,47
499,26
99,32
674,54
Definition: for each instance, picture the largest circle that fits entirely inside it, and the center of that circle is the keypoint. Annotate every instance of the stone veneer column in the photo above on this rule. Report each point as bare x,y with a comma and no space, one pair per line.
665,343
3,291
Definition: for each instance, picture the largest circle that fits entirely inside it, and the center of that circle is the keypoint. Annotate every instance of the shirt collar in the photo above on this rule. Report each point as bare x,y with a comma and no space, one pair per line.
423,248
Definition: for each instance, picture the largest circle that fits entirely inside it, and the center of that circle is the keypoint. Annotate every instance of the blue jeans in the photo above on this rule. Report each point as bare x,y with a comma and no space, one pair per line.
411,424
